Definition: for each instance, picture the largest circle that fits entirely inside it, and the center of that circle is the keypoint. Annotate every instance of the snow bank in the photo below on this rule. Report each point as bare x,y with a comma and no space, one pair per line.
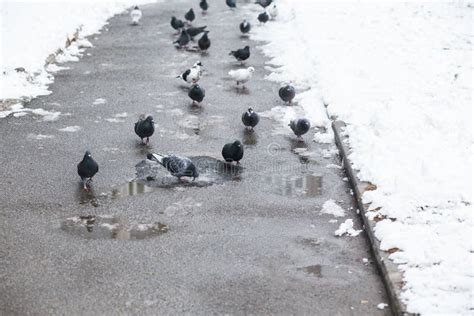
400,75
31,31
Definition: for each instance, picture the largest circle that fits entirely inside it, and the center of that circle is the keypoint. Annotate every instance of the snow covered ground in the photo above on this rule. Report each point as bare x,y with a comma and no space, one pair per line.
33,30
400,75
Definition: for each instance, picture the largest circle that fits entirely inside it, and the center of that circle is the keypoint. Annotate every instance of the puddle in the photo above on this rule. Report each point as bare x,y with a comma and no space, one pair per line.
297,186
249,137
324,271
314,270
130,189
107,227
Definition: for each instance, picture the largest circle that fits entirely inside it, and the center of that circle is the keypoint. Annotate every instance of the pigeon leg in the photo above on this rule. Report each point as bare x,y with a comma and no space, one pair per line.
84,184
147,140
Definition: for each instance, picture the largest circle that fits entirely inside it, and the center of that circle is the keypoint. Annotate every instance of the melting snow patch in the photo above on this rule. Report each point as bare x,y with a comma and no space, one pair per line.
330,207
382,305
114,120
47,115
99,101
70,129
123,114
347,228
39,136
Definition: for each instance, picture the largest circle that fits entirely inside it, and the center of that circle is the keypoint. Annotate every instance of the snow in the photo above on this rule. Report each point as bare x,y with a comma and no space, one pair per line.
330,207
70,129
99,101
31,31
400,75
347,228
382,305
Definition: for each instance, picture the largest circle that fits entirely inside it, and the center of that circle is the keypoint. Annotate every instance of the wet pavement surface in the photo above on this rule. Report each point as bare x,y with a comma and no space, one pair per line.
240,239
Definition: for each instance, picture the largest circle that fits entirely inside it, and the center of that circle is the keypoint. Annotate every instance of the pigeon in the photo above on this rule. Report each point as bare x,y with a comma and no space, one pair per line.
204,42
242,75
193,74
176,165
183,39
86,169
189,16
250,118
136,15
231,3
273,11
196,93
263,17
233,151
245,27
241,54
193,31
176,23
264,3
204,6
287,93
300,126
145,127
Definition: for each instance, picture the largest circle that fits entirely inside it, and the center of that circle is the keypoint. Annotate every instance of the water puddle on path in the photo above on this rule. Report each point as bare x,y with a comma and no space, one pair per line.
322,271
108,227
297,186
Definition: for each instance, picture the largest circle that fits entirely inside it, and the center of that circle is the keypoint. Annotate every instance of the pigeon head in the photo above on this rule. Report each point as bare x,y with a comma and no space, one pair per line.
237,143
149,118
136,8
198,63
173,18
250,110
247,47
87,154
251,69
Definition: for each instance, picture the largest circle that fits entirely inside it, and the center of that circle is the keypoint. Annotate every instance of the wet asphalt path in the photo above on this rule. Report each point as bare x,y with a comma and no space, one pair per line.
238,241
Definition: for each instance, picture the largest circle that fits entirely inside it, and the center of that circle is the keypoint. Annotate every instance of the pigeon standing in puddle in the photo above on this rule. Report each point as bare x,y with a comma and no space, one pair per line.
300,126
250,118
233,151
196,93
145,127
176,165
86,169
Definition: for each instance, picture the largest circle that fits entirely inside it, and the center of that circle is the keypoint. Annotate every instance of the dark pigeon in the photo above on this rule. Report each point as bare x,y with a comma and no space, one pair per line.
196,93
250,118
287,93
204,6
86,169
245,27
176,165
176,23
233,151
263,17
264,3
193,31
183,39
241,54
231,3
204,42
144,128
189,16
300,126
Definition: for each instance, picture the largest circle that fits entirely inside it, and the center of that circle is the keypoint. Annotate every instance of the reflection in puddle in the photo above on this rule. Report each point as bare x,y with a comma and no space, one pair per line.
249,137
87,197
105,227
306,186
323,271
129,189
314,270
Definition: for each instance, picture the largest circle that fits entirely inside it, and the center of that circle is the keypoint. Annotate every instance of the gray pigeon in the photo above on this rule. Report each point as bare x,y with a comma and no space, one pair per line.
241,54
300,126
183,39
263,17
264,3
204,42
193,31
250,118
176,23
231,3
204,6
176,165
144,128
245,26
287,93
190,16
196,93
233,151
86,169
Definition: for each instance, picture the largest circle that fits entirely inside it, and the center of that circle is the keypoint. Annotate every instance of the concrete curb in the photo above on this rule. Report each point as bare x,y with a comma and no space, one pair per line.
391,276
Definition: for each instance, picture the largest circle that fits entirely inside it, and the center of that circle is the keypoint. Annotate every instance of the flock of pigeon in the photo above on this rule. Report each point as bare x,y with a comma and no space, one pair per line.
182,166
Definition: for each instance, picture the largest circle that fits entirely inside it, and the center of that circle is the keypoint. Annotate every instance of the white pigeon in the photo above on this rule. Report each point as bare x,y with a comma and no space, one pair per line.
136,15
193,74
272,11
242,75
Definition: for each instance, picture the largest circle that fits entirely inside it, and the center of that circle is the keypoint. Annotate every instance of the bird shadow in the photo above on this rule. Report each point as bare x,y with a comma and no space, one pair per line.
195,108
249,137
244,37
142,148
183,88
